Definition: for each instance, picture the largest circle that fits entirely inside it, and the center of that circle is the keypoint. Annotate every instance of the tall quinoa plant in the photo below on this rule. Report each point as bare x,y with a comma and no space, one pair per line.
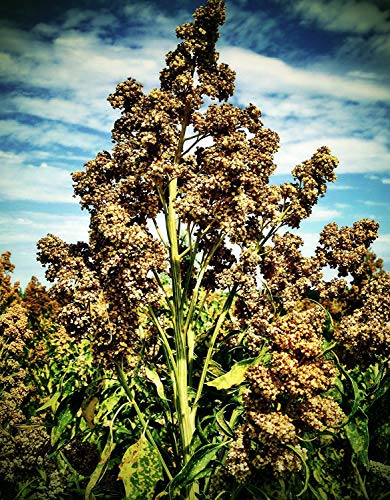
190,283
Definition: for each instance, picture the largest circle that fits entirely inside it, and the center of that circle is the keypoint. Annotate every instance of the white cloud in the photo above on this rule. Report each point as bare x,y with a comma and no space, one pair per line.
370,203
324,214
45,135
87,114
273,75
78,61
29,226
21,181
344,15
355,155
381,247
340,187
76,69
342,206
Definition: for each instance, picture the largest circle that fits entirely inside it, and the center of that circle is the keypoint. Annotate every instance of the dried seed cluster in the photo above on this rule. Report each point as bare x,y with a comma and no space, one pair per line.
286,397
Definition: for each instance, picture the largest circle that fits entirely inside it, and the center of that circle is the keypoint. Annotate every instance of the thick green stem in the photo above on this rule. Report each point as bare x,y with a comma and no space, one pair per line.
182,403
183,411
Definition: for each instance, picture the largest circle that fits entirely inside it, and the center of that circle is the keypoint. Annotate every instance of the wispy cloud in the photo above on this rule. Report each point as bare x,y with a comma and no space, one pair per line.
370,203
355,155
90,114
29,226
340,187
21,181
381,246
46,134
344,15
274,75
324,214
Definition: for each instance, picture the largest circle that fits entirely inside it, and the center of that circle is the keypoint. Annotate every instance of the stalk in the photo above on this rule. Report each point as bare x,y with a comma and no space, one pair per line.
182,407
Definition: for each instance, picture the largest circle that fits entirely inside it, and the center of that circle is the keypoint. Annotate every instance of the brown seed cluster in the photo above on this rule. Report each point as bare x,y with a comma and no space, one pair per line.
311,176
365,333
105,283
228,184
285,397
288,274
20,447
345,249
8,290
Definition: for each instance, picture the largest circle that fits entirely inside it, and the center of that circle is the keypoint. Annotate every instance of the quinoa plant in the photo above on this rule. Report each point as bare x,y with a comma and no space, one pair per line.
217,367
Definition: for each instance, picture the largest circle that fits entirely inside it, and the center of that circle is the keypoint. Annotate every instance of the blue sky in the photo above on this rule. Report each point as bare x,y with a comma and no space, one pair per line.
319,71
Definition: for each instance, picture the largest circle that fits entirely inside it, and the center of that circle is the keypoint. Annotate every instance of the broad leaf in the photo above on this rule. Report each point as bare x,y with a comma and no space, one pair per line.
224,426
140,470
88,411
195,468
100,468
235,376
154,377
51,403
65,413
307,470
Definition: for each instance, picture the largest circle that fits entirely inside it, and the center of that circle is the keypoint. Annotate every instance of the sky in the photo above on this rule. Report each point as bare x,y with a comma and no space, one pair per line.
319,71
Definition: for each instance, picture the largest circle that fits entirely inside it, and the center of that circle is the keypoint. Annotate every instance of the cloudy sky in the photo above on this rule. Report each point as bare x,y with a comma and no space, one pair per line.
318,70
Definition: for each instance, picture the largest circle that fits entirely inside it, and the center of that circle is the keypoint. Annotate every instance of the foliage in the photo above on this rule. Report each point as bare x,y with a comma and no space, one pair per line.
188,349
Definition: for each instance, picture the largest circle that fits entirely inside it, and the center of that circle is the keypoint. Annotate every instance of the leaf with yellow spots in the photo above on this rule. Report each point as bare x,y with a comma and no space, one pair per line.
140,470
88,409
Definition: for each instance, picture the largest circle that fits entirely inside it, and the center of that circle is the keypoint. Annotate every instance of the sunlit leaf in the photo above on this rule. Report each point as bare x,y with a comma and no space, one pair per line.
225,427
51,402
307,470
154,377
235,376
140,470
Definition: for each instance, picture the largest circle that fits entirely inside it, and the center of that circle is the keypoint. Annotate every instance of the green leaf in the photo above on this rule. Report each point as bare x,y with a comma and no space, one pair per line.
339,385
307,470
235,376
140,470
100,468
225,427
380,386
51,402
318,494
357,434
195,468
380,470
108,404
65,413
153,376
357,397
